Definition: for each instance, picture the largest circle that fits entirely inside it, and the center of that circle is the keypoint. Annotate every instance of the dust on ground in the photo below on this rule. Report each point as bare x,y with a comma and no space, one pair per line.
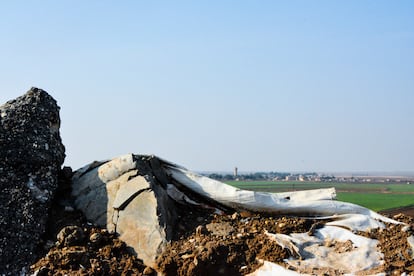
205,243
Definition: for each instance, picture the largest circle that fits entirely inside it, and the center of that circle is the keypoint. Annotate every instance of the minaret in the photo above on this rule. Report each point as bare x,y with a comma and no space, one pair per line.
235,172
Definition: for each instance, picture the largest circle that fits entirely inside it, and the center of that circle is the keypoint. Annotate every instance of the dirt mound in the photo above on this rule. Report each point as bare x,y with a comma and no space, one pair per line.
229,245
97,253
241,248
204,243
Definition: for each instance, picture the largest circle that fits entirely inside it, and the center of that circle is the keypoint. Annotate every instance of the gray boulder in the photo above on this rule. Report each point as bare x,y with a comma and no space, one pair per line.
128,195
31,155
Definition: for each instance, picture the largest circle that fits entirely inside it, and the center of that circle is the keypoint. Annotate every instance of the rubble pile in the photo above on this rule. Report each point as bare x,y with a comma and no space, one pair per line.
31,155
142,215
177,224
206,243
245,246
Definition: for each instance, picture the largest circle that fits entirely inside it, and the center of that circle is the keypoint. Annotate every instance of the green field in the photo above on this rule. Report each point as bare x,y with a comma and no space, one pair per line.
375,196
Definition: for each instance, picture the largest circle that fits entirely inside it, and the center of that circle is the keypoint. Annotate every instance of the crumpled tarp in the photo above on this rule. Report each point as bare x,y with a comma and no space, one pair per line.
127,182
319,202
313,251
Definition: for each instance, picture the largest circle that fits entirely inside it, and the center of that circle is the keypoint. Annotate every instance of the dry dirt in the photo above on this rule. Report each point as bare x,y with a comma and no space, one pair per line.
205,244
408,211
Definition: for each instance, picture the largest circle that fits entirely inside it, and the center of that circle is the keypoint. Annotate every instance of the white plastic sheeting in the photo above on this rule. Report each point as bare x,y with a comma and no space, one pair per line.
317,251
302,203
272,269
321,250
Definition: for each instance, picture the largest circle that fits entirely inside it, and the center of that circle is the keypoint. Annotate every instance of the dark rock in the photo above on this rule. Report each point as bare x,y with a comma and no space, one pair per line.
70,235
31,154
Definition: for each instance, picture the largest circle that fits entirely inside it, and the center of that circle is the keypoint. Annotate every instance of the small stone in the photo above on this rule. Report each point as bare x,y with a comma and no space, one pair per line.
69,209
245,214
70,235
95,237
396,272
235,216
94,264
148,271
186,256
398,216
201,230
222,229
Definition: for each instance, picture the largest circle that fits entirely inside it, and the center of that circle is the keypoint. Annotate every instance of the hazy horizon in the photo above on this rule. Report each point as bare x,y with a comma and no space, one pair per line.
264,86
340,173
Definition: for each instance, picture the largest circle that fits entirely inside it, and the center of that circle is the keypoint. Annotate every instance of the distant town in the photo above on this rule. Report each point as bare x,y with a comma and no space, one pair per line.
310,177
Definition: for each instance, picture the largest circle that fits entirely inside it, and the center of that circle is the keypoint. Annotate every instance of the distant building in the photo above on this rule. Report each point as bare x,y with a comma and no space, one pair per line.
291,178
235,172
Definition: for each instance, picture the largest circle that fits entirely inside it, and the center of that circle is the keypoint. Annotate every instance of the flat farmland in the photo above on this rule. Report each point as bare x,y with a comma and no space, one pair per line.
375,196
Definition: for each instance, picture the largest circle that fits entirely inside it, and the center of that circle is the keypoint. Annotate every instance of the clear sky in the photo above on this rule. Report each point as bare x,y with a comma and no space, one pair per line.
210,85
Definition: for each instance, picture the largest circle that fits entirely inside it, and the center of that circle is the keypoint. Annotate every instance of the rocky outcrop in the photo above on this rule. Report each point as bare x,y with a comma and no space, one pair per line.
31,154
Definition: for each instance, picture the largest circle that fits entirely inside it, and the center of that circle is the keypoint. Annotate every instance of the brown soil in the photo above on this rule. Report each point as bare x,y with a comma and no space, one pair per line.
398,255
204,244
408,211
83,249
229,245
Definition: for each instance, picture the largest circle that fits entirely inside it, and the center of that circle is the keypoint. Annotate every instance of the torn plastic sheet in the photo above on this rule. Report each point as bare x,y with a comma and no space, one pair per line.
332,247
271,269
356,222
178,196
303,203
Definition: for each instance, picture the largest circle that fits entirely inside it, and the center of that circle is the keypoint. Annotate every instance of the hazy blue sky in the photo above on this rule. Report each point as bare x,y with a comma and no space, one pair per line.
261,85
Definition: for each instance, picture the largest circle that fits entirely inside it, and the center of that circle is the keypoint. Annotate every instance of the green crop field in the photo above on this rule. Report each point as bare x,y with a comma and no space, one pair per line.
375,196
378,202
